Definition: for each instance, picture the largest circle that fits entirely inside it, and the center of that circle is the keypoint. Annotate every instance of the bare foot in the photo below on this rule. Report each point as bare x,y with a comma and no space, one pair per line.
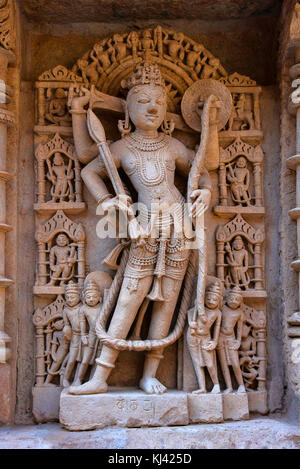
152,385
227,391
91,387
241,389
199,391
216,389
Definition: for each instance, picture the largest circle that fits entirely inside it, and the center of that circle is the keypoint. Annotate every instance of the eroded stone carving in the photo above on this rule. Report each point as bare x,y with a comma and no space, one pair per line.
237,243
150,163
61,250
240,179
155,275
230,338
59,183
203,336
51,345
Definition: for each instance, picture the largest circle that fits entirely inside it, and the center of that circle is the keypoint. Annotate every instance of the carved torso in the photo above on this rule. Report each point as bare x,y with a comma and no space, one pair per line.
150,165
230,317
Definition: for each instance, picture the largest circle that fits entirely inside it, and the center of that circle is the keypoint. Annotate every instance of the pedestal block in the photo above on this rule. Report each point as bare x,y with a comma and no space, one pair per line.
205,408
130,408
235,406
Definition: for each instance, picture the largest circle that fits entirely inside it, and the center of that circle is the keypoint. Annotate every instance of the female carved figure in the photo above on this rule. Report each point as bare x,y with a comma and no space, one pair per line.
156,266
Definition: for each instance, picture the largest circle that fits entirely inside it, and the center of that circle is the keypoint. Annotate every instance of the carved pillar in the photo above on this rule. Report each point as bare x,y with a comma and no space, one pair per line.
7,59
261,353
6,118
294,163
258,267
222,184
257,175
220,261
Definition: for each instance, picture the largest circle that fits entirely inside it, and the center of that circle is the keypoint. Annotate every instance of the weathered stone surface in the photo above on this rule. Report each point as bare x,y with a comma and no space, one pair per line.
235,406
124,409
46,403
257,402
205,408
94,10
262,433
5,404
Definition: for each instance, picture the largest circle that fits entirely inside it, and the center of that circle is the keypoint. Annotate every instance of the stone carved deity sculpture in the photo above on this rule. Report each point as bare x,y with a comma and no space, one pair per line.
62,259
61,176
238,261
92,302
58,350
203,336
71,329
154,267
239,180
230,339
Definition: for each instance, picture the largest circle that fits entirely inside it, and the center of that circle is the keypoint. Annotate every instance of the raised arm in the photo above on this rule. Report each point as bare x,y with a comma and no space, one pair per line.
86,149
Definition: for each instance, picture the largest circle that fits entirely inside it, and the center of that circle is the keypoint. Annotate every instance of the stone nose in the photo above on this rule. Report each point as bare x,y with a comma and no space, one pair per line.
152,108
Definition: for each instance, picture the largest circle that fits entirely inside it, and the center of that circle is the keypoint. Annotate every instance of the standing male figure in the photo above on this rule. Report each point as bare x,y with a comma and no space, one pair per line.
201,344
149,157
72,328
229,341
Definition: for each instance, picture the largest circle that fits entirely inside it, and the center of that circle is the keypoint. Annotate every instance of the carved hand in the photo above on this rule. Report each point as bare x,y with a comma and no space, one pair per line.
78,103
200,199
234,345
211,345
85,339
67,332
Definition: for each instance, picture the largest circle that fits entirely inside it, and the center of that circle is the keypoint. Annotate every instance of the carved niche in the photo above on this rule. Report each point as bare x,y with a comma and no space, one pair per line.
59,184
252,351
61,254
240,179
239,257
50,343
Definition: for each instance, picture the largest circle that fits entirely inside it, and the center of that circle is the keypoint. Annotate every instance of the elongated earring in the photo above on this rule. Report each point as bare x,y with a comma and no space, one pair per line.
168,126
124,125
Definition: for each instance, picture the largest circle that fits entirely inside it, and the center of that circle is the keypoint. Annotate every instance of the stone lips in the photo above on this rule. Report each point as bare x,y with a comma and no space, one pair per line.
200,91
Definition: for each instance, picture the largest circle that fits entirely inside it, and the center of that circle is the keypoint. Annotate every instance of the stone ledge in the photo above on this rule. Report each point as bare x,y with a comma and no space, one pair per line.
259,433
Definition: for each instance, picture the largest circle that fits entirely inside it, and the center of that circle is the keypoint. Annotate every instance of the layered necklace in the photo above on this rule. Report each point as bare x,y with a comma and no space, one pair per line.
148,149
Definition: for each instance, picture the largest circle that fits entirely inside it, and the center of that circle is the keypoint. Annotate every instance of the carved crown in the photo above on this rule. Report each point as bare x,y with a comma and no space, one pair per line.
144,74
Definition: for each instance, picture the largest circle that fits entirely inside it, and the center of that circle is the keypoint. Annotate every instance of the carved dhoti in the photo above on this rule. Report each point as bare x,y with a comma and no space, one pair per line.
224,343
205,357
157,257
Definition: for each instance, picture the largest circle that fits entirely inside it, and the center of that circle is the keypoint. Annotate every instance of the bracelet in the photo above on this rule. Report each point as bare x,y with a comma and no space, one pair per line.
77,111
104,197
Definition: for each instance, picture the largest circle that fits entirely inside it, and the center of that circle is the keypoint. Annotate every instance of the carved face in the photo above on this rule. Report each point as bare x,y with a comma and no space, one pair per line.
58,325
92,298
58,160
241,162
211,300
234,300
147,106
72,298
62,240
238,243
